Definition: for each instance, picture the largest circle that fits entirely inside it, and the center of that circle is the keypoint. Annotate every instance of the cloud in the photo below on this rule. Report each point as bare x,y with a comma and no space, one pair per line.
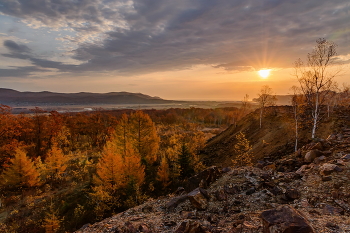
16,48
234,68
21,51
19,71
143,36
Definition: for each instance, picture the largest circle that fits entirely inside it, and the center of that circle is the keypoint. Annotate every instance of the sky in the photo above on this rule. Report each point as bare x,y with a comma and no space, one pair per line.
174,49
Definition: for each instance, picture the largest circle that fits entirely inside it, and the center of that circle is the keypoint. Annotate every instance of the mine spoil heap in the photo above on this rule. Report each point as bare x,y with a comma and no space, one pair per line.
307,191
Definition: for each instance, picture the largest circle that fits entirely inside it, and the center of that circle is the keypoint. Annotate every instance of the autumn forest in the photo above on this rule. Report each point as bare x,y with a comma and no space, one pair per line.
60,171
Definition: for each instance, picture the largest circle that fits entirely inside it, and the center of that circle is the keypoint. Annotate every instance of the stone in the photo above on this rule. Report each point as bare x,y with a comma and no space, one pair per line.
332,226
327,153
346,158
129,228
319,159
260,164
302,170
147,209
173,203
221,195
198,199
226,169
292,194
144,228
187,214
190,226
208,176
250,191
339,136
328,168
331,137
180,190
284,219
317,146
326,178
169,223
331,210
203,184
231,189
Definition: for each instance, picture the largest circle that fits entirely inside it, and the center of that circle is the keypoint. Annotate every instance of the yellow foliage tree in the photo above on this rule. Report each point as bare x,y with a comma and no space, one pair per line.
133,168
122,135
51,222
109,170
21,173
163,175
144,135
243,151
55,164
109,180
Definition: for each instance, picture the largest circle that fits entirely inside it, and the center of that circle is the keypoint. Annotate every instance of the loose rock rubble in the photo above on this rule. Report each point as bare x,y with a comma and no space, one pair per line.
308,191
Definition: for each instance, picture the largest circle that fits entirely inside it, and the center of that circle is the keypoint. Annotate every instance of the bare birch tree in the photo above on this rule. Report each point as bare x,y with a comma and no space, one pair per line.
316,77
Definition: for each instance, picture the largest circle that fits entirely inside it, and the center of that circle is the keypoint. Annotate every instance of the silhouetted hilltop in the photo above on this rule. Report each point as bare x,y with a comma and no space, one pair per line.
13,97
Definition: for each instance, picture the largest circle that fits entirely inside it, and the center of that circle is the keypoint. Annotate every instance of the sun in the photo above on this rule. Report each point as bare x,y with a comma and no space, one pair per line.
264,73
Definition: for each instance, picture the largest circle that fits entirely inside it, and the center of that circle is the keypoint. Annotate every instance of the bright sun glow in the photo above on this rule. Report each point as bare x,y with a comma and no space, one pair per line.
264,73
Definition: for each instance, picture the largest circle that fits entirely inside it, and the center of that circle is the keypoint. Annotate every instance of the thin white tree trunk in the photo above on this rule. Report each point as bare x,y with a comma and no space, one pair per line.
261,111
296,130
315,117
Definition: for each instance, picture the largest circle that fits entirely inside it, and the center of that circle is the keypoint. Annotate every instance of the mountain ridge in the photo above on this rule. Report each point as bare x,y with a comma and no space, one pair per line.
10,96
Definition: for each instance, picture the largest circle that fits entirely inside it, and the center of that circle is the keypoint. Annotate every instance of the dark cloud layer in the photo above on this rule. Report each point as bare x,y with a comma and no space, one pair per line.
144,36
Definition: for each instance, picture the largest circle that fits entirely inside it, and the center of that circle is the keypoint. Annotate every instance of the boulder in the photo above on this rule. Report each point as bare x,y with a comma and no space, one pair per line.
198,199
284,219
311,155
328,168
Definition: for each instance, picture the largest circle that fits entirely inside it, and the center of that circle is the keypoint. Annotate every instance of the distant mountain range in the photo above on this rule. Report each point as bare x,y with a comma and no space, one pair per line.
13,97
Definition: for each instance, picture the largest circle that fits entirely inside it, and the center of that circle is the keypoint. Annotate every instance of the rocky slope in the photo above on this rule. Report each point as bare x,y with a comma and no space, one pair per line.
276,137
303,192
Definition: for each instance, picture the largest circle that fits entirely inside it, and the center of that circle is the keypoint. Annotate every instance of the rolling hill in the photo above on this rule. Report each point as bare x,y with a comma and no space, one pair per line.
13,97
